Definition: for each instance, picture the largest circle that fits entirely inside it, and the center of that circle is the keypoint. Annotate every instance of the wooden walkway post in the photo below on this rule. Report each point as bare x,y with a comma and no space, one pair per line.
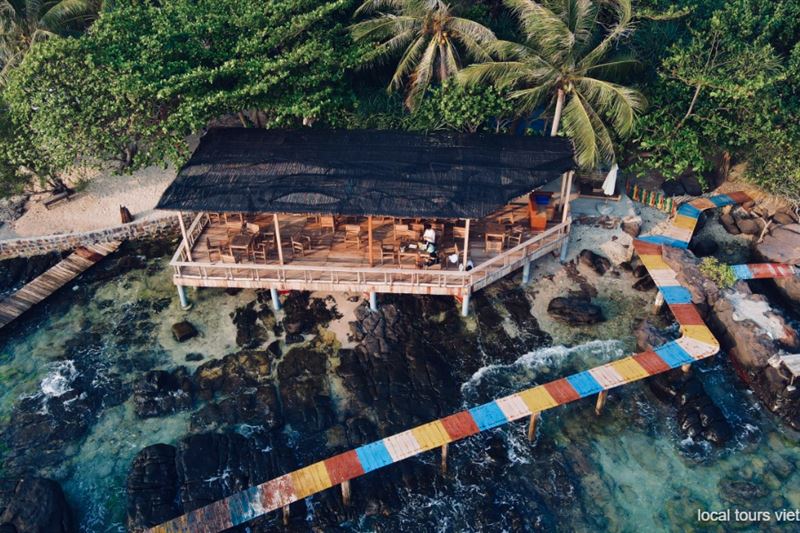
369,239
444,459
278,239
601,402
532,427
285,515
185,238
686,368
466,243
346,493
659,302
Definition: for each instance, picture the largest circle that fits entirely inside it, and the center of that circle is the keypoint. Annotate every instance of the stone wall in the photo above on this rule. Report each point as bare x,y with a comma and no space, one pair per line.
147,227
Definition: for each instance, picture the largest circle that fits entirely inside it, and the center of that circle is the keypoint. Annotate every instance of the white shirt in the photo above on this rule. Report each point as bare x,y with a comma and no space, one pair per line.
429,235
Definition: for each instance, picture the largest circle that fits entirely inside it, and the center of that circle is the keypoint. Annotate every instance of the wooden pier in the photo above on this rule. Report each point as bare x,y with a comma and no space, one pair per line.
53,279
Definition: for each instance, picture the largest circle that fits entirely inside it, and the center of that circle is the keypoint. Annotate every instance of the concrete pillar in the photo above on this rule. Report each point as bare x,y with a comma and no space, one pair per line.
276,301
373,301
564,248
526,272
185,304
465,303
686,368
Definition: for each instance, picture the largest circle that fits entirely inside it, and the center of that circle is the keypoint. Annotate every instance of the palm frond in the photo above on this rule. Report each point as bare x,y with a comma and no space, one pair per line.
544,28
378,6
612,67
618,103
61,14
532,97
423,73
623,14
407,62
602,137
502,74
383,27
578,126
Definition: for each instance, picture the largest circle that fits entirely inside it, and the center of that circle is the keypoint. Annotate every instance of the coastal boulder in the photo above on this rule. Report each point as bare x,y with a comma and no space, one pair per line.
158,393
37,506
152,487
575,310
595,261
183,331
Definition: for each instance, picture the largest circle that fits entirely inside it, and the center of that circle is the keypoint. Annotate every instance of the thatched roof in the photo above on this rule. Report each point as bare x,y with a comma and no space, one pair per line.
363,172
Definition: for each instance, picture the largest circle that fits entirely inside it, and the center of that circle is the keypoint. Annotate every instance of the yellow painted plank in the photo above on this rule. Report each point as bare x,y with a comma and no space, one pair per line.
654,262
684,222
537,399
700,333
629,369
513,407
431,435
311,479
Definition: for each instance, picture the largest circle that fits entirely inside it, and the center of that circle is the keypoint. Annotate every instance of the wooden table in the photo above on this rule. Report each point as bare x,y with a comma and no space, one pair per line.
495,232
240,242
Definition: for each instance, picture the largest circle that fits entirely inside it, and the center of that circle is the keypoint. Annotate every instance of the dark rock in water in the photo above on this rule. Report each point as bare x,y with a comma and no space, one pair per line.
38,506
16,272
159,393
673,188
193,357
294,338
232,291
741,492
718,433
781,245
575,310
596,262
691,184
152,487
232,374
644,284
750,226
275,349
632,226
304,390
704,248
302,313
183,331
252,326
729,223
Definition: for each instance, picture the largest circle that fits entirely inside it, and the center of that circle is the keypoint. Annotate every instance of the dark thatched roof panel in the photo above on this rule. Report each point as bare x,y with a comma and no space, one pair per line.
363,172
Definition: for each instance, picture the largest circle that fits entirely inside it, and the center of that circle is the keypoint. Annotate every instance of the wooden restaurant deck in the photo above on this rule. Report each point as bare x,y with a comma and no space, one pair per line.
331,264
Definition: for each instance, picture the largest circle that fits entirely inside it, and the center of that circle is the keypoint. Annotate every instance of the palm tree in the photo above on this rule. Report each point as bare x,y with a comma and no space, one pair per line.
426,35
569,52
23,22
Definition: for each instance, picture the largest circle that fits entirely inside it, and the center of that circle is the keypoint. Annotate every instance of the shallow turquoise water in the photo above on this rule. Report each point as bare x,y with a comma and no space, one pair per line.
631,468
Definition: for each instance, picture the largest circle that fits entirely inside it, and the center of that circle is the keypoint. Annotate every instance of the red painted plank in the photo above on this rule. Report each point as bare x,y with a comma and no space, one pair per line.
460,425
686,314
740,197
651,362
562,391
646,248
343,467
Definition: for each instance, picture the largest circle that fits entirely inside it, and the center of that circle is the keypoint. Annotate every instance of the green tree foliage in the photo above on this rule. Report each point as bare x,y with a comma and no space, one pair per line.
146,76
468,109
24,22
726,84
720,273
432,43
569,54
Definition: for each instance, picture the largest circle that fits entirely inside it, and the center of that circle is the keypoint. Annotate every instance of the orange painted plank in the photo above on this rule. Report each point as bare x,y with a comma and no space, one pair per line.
646,248
343,467
562,391
278,492
740,197
686,314
460,425
703,204
651,362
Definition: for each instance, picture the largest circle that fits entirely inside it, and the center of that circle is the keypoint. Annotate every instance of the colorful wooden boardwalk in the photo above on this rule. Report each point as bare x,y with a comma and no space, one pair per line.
53,279
696,343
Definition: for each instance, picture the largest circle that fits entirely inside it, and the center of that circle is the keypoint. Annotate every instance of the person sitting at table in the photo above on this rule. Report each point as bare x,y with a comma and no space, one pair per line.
430,254
429,234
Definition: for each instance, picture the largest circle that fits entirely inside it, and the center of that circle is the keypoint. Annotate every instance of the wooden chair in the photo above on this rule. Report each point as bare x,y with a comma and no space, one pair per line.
445,253
419,228
506,218
259,255
300,244
233,218
387,251
438,227
255,229
213,249
215,218
352,235
459,232
327,221
514,236
228,258
493,244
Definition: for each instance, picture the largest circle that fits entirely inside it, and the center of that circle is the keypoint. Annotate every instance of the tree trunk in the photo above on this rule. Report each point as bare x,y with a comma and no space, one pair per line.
243,119
689,111
442,66
557,115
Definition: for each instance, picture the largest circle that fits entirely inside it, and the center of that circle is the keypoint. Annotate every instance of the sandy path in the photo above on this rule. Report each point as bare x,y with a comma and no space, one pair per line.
97,206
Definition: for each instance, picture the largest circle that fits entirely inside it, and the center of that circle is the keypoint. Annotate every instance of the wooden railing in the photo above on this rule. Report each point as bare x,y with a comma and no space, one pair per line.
378,278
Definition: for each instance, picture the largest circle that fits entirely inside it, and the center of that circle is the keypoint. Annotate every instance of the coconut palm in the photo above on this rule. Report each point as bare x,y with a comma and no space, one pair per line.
23,22
431,42
569,53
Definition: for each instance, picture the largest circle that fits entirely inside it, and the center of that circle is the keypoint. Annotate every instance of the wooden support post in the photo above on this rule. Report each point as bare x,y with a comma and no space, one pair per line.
465,303
466,243
686,368
532,426
444,459
185,238
276,301
567,194
285,515
346,493
659,302
561,198
373,301
369,238
601,402
278,239
182,297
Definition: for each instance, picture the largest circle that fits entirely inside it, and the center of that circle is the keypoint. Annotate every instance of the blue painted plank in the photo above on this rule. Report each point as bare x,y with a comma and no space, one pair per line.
660,239
676,295
584,383
673,354
373,456
488,416
689,210
721,200
742,272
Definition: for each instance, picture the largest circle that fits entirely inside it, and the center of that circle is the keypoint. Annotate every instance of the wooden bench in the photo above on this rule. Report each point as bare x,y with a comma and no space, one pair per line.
57,197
